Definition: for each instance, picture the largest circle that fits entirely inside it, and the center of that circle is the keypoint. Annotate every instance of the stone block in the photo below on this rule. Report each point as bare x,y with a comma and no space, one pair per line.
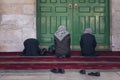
17,1
29,33
18,20
29,9
10,9
10,40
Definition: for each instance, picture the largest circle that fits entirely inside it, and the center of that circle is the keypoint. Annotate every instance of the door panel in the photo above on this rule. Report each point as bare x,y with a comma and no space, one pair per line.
76,15
51,14
93,14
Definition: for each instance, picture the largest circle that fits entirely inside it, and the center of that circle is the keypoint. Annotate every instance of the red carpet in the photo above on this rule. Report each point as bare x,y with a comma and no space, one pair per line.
53,59
13,61
74,53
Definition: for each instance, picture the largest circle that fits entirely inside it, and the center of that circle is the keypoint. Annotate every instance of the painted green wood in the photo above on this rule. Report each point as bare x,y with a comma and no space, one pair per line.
93,14
50,15
76,15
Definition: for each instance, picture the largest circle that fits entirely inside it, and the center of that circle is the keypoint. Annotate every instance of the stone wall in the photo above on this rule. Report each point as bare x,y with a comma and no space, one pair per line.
115,25
17,23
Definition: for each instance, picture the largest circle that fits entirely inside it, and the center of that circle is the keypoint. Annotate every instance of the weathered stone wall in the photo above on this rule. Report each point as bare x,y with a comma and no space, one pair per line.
115,25
17,23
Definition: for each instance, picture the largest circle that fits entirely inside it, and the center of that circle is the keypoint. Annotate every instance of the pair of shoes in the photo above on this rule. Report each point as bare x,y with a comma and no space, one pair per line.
94,74
59,70
54,70
83,71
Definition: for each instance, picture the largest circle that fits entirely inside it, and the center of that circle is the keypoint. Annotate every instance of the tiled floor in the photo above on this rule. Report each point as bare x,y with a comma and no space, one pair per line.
47,75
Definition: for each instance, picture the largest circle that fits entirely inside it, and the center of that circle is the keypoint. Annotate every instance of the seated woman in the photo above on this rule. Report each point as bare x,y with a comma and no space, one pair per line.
62,42
88,43
32,48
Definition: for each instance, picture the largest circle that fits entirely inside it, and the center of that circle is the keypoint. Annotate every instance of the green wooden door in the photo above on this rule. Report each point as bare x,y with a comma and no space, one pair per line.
50,15
94,14
76,15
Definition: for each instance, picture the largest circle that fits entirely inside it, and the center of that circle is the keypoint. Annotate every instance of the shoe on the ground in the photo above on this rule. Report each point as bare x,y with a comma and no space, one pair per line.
82,71
94,74
61,71
63,56
54,70
43,51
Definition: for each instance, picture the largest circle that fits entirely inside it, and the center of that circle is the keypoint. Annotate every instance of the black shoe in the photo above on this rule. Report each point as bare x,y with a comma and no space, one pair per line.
94,74
61,56
97,74
54,70
82,71
43,51
61,71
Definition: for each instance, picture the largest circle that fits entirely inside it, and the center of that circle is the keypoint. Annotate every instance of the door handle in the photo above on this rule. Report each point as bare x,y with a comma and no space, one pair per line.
75,5
69,5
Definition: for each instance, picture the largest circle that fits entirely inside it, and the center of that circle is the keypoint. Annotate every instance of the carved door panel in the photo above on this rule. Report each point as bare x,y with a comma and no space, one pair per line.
76,15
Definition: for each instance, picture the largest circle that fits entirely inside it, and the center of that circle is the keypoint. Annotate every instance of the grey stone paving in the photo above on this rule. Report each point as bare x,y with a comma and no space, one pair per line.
47,75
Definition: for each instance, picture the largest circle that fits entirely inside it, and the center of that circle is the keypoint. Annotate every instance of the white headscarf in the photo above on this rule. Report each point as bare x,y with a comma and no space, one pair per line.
61,32
88,30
